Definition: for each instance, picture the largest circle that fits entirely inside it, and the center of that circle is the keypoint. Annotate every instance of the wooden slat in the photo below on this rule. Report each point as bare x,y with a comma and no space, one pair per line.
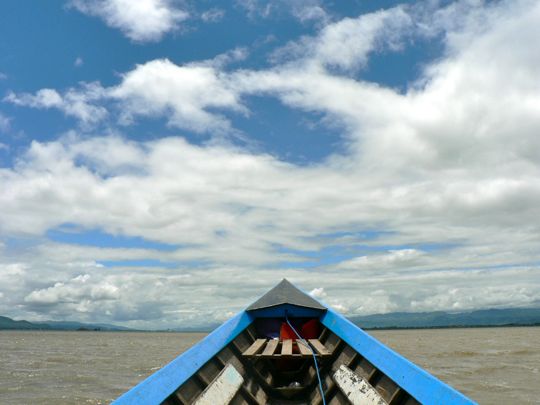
248,396
319,347
372,374
357,390
304,349
286,347
396,396
270,347
255,347
223,389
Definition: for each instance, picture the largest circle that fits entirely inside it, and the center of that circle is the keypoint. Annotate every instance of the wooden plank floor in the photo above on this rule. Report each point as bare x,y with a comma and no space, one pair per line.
304,348
255,347
270,348
319,347
286,348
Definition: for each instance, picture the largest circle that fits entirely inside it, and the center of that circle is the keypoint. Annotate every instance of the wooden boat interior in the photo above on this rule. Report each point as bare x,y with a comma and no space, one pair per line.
261,356
278,371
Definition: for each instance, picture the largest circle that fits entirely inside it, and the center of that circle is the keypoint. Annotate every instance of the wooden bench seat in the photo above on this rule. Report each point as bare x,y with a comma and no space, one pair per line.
286,348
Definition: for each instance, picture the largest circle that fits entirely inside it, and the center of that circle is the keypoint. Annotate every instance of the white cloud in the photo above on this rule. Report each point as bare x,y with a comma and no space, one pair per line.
3,76
255,8
141,20
13,276
303,10
213,15
45,98
76,290
309,11
318,293
393,259
346,44
226,58
185,93
449,168
78,62
78,103
189,96
4,123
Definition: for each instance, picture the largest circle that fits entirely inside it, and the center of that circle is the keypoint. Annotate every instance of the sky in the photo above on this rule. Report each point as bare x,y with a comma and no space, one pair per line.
164,163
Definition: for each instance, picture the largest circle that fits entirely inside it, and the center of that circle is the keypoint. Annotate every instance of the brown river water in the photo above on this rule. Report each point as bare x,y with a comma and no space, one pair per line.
491,365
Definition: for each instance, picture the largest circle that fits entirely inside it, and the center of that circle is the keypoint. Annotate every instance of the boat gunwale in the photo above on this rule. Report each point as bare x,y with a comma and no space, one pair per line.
421,385
416,381
158,386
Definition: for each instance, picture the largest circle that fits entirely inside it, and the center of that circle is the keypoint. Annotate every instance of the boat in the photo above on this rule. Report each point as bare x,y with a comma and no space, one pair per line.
289,348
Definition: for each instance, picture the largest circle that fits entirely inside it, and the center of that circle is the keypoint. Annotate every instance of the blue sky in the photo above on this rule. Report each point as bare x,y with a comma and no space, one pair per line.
34,61
163,162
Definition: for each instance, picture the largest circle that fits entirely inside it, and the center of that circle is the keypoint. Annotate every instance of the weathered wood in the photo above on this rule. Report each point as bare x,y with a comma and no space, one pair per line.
270,348
356,388
286,347
372,375
258,348
319,347
248,396
255,347
180,397
223,389
396,396
304,348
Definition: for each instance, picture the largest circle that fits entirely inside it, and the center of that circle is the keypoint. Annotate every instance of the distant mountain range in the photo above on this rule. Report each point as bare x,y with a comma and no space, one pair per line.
8,323
439,319
394,320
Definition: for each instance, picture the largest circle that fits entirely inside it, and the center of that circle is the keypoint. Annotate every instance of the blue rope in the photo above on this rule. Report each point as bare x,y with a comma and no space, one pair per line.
305,343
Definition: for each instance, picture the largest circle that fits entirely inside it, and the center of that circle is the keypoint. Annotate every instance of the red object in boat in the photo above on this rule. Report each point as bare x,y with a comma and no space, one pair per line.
308,330
311,329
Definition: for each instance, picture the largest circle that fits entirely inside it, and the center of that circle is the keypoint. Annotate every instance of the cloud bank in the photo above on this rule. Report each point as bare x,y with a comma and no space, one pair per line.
432,205
140,21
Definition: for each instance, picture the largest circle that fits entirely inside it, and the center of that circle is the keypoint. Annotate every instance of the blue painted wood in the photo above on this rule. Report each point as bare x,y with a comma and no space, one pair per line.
279,311
157,387
421,385
426,388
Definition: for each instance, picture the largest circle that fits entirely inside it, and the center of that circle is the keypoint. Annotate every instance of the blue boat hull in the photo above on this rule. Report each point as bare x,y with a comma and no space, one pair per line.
349,363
